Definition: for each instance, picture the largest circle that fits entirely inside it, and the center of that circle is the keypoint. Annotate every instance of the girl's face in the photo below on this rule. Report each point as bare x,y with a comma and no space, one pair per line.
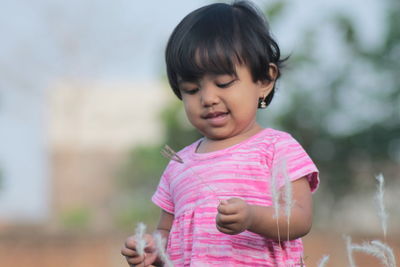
224,106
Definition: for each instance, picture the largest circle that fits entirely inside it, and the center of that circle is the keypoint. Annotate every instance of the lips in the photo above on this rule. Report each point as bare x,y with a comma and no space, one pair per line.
216,114
216,118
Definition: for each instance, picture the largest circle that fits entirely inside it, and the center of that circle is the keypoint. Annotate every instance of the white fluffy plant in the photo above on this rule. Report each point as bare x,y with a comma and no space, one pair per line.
159,242
379,197
139,238
275,197
281,172
288,197
160,246
323,261
375,248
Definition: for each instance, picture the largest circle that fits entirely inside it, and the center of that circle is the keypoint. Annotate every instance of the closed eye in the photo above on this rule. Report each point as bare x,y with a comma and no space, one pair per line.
225,85
190,91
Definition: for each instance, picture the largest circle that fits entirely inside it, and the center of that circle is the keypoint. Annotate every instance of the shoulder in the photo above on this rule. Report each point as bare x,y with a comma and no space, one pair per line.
270,136
271,141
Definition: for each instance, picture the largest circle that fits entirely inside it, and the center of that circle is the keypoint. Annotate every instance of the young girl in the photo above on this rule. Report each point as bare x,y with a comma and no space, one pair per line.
217,201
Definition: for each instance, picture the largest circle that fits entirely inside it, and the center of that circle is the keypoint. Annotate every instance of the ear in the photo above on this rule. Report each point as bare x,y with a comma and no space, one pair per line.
268,85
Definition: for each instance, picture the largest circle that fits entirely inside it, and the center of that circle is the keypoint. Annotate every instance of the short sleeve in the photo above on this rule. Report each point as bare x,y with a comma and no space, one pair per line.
290,157
162,197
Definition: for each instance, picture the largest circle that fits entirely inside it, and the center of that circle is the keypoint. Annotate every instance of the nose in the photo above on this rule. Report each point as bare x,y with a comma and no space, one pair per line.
209,95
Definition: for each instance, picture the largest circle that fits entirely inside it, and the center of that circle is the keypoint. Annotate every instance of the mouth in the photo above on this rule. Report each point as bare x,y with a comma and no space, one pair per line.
214,115
217,118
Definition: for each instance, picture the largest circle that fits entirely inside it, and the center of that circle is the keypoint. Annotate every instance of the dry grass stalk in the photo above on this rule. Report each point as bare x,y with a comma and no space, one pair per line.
391,260
349,251
287,196
371,250
323,261
139,236
275,198
380,202
160,246
170,154
374,248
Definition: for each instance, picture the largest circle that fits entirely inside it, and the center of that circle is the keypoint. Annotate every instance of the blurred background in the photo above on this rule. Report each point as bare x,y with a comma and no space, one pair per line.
85,109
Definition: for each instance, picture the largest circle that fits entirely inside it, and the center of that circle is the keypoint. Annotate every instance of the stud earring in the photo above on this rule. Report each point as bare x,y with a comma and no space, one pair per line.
262,103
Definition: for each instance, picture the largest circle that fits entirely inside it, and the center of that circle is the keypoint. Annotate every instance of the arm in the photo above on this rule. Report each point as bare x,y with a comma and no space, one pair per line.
151,257
164,226
235,215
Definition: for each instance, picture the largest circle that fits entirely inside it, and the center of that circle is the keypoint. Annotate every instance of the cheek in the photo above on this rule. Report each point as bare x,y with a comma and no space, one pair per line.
190,111
246,102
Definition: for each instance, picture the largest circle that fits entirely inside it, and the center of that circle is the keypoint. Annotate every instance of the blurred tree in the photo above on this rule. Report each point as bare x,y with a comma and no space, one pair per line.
146,164
346,115
141,172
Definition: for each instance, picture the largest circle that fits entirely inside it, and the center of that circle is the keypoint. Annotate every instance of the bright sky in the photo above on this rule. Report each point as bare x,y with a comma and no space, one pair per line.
44,39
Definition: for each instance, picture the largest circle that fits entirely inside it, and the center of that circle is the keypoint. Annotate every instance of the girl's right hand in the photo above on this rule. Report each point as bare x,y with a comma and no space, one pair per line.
133,258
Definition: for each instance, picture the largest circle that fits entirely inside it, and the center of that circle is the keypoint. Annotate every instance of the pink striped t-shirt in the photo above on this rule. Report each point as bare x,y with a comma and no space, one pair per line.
191,191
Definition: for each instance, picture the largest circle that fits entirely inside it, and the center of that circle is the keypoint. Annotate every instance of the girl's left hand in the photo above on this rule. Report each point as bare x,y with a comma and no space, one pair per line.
234,216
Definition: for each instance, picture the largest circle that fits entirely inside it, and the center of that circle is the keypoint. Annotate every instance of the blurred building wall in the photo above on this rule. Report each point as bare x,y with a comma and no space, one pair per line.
80,134
23,157
92,127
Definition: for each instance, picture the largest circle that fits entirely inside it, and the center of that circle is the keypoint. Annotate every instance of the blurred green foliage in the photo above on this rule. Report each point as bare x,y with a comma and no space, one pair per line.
140,174
375,143
275,9
77,218
179,132
136,208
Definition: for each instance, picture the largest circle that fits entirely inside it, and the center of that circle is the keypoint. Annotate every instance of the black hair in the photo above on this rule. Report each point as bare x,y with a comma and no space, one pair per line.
216,37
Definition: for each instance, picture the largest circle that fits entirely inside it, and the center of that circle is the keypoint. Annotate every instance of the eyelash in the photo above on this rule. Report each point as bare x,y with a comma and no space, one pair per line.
192,91
220,85
225,85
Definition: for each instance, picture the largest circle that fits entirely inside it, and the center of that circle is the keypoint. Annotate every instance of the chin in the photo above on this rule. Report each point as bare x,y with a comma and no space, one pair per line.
216,136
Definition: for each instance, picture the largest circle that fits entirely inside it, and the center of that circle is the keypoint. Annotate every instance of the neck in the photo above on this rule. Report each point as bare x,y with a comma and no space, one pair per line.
210,145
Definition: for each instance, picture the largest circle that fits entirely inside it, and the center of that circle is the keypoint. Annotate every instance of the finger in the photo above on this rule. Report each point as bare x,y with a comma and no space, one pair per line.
226,209
226,223
130,242
128,252
224,202
150,245
149,259
225,230
227,219
135,260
